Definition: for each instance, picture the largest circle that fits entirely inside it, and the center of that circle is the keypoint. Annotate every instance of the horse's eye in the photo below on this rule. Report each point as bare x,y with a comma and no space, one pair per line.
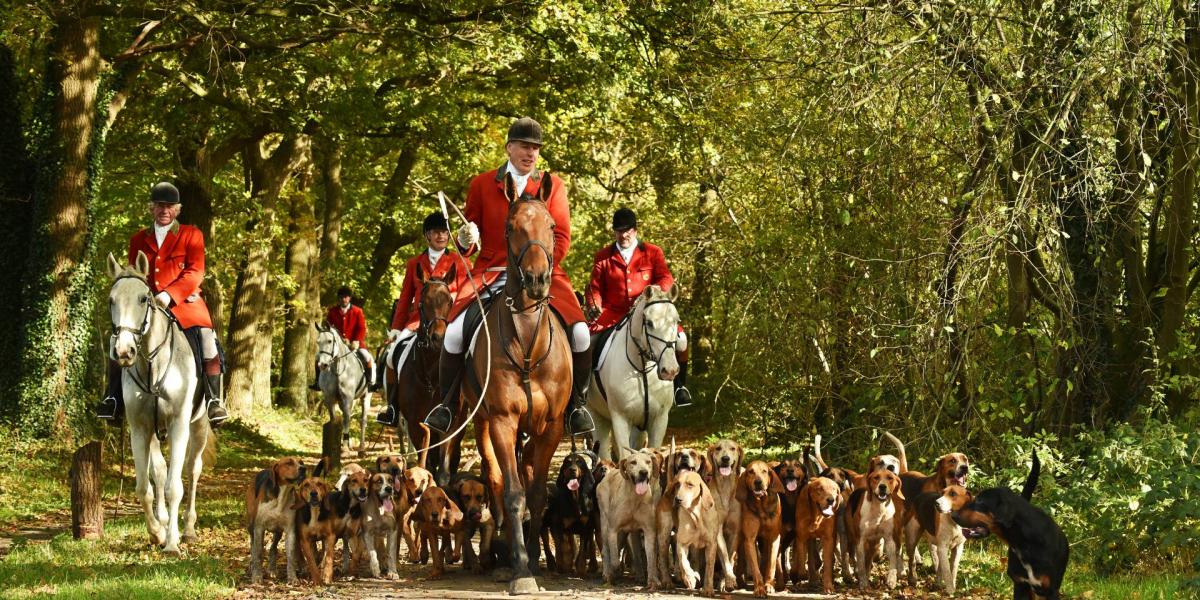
142,300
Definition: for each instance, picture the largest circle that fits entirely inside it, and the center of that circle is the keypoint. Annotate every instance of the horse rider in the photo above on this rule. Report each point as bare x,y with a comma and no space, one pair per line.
486,212
435,262
175,282
348,320
620,272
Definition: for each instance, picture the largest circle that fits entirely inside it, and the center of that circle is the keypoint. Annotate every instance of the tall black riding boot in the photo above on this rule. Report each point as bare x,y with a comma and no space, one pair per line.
579,420
111,408
449,369
214,392
682,396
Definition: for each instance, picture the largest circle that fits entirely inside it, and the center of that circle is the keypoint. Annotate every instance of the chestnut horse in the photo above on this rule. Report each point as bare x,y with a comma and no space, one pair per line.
529,383
414,391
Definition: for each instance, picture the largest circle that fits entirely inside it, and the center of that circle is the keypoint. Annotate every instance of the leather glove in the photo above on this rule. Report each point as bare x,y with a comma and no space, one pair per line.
354,345
164,299
468,235
591,312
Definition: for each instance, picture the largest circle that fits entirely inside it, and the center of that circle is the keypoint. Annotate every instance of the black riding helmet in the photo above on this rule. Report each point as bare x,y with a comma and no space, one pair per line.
624,219
434,222
343,292
164,193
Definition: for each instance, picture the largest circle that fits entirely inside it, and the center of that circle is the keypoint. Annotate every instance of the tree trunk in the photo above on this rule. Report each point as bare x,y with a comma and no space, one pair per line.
391,237
297,346
250,334
329,153
57,315
1178,227
331,443
87,487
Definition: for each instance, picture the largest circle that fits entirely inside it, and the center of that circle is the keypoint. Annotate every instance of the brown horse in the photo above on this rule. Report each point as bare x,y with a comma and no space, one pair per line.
414,389
529,384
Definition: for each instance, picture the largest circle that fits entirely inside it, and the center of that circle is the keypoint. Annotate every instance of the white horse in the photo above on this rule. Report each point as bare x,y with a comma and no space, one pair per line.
342,380
625,399
159,383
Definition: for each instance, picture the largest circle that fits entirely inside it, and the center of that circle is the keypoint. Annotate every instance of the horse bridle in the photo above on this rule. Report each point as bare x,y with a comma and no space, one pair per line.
520,257
647,354
153,387
426,325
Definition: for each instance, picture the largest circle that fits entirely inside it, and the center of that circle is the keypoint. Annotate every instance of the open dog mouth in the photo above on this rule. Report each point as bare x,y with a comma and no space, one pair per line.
882,495
642,485
725,470
974,533
959,479
791,484
827,511
573,485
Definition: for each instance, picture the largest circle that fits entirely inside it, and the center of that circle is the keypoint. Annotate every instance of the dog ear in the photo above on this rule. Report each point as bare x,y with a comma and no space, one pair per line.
711,455
456,514
743,486
898,488
706,499
656,462
776,484
741,456
668,495
322,466
297,499
275,478
379,459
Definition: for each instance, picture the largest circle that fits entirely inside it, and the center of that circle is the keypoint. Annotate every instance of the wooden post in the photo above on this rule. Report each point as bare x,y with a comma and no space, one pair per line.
331,444
87,509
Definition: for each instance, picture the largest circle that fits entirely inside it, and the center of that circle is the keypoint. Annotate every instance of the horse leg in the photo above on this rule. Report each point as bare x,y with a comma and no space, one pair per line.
657,428
624,434
362,442
139,441
603,434
504,438
491,474
539,452
158,473
193,466
180,434
346,401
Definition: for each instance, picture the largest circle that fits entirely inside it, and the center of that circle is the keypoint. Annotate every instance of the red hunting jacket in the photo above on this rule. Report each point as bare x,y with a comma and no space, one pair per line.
176,268
407,315
615,285
488,209
352,324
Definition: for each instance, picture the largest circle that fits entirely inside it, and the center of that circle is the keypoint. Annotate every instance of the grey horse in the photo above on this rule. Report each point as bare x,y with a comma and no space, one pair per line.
159,385
342,380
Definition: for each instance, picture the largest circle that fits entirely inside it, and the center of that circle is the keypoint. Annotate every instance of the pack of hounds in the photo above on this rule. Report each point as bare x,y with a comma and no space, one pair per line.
664,515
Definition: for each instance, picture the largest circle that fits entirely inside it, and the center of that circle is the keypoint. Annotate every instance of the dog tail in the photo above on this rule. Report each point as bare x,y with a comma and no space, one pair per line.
1031,481
817,449
899,448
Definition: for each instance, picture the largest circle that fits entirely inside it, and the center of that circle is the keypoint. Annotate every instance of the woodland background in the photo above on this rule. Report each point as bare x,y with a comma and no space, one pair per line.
970,222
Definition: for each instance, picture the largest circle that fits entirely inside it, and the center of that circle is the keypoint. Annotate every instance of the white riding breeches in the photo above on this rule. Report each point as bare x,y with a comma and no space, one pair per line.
208,343
404,335
455,344
367,355
681,342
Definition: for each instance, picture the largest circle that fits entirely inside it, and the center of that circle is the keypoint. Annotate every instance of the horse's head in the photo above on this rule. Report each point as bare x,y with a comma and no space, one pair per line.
530,236
327,345
434,305
130,305
660,327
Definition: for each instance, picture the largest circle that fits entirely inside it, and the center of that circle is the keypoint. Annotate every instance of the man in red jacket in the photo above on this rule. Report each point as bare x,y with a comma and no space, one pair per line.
619,274
348,320
176,254
487,216
435,261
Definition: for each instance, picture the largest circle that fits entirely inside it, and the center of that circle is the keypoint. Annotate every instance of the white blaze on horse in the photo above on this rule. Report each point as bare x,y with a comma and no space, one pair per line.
631,393
342,379
159,383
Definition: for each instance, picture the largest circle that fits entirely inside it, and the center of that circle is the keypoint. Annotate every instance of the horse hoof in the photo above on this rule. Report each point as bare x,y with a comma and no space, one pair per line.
502,574
189,538
522,586
172,550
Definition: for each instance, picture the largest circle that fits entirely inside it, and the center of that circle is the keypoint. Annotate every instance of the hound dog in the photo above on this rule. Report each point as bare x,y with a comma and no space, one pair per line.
697,527
890,462
871,517
438,518
627,500
794,477
950,469
844,478
323,516
603,467
416,481
381,522
473,498
1037,549
817,509
392,464
725,464
346,472
269,509
758,492
933,511
572,511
